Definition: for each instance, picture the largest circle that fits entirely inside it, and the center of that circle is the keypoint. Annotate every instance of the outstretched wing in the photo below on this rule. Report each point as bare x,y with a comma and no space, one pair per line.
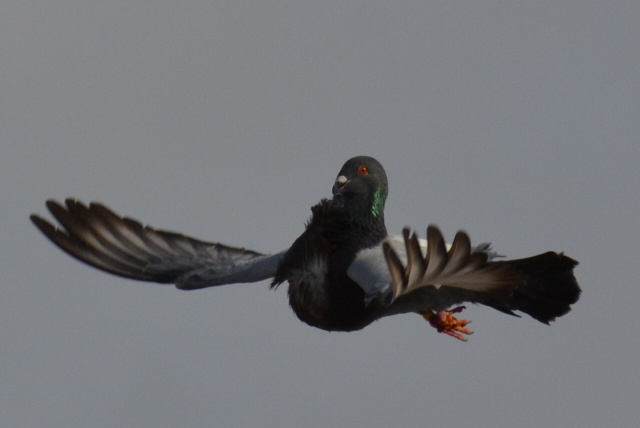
122,246
541,286
459,266
396,267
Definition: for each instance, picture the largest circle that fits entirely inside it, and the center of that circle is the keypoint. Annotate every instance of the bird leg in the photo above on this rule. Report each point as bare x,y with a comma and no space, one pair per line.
446,323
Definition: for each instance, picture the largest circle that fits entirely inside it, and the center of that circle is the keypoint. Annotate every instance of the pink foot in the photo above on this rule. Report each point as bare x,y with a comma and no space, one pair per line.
446,323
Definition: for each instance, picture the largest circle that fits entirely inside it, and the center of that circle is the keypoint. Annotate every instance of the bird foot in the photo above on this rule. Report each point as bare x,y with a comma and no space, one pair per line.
446,323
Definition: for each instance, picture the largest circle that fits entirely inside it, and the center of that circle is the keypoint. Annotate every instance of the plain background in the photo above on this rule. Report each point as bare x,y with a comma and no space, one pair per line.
517,121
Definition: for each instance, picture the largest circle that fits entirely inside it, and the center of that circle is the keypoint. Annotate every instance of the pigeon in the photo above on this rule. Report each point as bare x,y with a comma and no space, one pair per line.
343,272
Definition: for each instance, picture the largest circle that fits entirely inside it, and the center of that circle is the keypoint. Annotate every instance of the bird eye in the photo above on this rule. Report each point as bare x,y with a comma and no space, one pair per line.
363,170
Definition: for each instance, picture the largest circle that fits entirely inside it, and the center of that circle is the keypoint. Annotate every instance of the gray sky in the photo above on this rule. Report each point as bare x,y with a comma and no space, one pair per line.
517,121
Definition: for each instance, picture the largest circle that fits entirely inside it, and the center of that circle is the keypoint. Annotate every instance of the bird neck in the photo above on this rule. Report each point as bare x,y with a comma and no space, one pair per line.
339,223
368,220
377,206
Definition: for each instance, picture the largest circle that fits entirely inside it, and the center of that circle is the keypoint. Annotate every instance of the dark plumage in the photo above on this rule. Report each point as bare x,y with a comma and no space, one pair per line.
344,271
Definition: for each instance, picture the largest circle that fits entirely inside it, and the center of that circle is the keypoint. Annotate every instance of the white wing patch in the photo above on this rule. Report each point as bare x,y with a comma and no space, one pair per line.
371,272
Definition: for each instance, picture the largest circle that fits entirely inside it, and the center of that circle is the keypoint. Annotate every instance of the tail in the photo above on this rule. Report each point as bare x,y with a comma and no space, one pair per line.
547,286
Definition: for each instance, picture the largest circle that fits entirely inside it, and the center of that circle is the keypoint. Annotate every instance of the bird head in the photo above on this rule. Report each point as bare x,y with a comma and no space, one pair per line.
361,188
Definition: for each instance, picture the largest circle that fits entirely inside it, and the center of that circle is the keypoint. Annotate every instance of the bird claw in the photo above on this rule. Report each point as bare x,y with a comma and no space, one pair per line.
446,323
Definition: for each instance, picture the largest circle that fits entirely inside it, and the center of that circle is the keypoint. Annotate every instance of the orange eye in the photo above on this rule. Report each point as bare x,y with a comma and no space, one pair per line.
363,170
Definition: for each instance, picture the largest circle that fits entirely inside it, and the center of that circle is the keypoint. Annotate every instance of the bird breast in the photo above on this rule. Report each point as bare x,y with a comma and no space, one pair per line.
307,290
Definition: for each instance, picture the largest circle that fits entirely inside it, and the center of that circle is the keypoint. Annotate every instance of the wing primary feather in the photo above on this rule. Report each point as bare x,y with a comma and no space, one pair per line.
87,244
98,234
75,248
458,255
436,257
414,257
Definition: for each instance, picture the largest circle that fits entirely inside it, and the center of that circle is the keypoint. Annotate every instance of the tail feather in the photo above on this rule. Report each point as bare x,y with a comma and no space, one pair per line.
548,287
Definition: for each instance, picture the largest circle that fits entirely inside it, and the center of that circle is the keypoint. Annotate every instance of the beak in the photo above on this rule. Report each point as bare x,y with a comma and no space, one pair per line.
339,184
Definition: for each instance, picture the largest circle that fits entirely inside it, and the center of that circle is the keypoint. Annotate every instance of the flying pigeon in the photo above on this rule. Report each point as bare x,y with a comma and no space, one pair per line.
344,272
